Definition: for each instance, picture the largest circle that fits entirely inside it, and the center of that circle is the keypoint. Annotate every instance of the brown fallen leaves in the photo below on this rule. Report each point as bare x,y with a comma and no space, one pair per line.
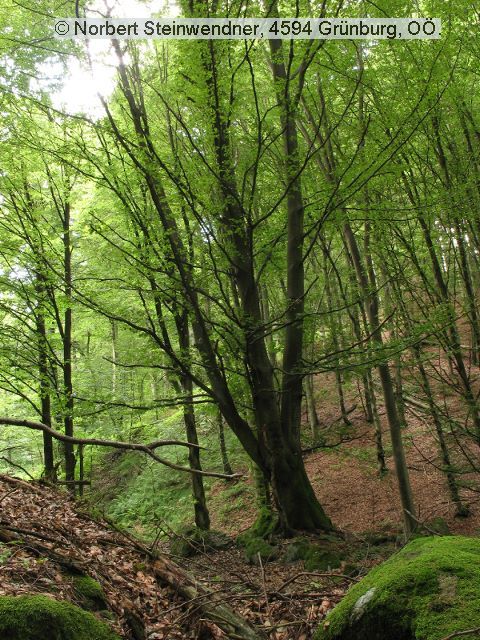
54,537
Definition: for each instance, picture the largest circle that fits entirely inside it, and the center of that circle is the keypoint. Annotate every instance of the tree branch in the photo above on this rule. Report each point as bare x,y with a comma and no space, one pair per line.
129,446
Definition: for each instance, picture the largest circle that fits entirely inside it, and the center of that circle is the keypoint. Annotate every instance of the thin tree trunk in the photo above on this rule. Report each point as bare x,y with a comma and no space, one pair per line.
68,351
43,371
227,467
461,509
381,465
113,334
81,471
371,300
202,517
335,330
311,409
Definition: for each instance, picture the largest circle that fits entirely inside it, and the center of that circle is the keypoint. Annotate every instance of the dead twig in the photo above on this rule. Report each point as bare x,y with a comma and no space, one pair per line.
9,493
458,634
315,575
17,466
262,573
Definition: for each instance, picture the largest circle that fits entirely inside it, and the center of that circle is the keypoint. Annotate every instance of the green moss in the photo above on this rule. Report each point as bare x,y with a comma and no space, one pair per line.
316,557
90,593
255,540
264,527
42,618
426,591
254,547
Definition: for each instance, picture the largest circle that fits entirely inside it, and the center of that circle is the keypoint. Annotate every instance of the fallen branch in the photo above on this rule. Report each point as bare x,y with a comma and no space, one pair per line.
9,493
128,446
26,532
416,403
458,634
9,537
315,575
236,627
22,483
188,587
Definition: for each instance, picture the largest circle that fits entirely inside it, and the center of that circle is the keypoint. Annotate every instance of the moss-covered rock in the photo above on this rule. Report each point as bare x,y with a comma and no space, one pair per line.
259,537
190,541
90,593
426,591
42,618
295,550
254,547
316,557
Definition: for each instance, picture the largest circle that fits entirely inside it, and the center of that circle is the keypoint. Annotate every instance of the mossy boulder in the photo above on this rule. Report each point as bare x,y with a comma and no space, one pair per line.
316,557
257,540
253,547
89,593
426,591
190,541
42,618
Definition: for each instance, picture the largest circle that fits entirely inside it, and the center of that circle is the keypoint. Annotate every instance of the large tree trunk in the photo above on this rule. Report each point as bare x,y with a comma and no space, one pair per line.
273,442
298,505
279,432
296,501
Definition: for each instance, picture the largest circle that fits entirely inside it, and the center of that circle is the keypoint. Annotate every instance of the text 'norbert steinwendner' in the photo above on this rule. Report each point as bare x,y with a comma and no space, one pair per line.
251,28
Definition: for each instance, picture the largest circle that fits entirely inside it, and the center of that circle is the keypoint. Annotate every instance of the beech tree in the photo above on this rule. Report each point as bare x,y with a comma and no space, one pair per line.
245,219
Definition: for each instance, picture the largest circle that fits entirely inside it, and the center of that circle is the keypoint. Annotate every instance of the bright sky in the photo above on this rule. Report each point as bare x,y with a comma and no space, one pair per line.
81,86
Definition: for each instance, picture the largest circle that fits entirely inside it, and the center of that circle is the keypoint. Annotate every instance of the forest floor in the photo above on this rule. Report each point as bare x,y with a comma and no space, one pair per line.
47,541
281,598
348,486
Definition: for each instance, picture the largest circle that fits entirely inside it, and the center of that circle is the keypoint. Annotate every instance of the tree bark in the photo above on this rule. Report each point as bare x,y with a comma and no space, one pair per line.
202,517
44,375
227,467
68,350
311,409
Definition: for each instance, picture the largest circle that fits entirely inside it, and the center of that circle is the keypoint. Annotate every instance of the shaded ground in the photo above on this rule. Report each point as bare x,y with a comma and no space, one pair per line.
54,542
346,482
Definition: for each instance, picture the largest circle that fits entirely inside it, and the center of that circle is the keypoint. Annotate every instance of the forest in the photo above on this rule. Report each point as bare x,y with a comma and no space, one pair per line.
240,328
